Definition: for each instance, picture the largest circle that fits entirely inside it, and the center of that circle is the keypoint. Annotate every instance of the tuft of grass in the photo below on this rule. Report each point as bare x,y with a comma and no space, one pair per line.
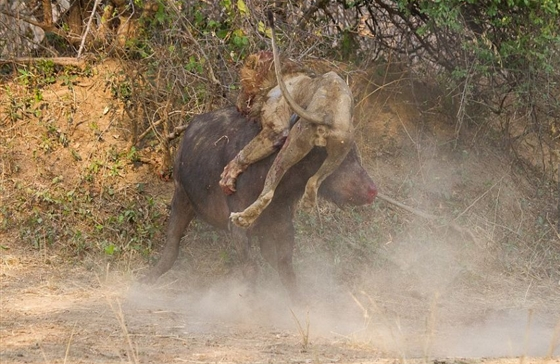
131,349
303,331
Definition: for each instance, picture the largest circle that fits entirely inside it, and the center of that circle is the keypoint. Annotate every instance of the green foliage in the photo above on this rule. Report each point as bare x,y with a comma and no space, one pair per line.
348,45
514,34
35,78
18,106
132,155
40,74
229,28
502,54
121,86
194,65
86,222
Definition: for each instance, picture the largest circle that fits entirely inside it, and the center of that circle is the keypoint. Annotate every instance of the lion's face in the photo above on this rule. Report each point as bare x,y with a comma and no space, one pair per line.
257,76
256,70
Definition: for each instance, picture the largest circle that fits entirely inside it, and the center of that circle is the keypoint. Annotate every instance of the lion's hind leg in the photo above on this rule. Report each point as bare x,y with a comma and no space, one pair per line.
337,150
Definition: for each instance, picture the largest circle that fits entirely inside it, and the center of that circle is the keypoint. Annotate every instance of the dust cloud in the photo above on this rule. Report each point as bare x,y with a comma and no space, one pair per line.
434,299
423,293
509,333
419,304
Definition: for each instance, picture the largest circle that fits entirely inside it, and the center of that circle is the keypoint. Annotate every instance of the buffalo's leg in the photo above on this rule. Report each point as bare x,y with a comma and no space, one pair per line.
277,247
298,144
242,244
181,215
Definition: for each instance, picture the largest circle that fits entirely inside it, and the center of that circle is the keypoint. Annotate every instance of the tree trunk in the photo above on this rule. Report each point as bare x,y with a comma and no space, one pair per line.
75,19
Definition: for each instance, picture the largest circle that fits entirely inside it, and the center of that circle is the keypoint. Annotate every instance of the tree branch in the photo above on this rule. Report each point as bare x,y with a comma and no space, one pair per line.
176,132
63,61
83,42
452,224
46,27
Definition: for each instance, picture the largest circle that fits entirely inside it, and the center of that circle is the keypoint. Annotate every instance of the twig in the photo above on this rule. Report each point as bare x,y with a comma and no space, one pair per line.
147,131
132,354
69,342
63,61
526,338
407,208
378,89
178,130
430,327
310,11
47,12
223,137
377,311
462,107
176,337
479,198
415,145
554,342
318,215
45,27
406,131
552,226
213,78
170,136
452,224
365,312
88,28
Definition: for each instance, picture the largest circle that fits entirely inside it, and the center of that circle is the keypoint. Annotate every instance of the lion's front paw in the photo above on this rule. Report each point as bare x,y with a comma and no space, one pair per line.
308,204
227,185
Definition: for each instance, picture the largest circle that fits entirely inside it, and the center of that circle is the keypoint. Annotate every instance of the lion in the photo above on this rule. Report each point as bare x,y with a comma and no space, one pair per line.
325,107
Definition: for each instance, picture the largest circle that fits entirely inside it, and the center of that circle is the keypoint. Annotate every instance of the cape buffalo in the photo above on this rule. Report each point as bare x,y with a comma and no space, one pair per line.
210,142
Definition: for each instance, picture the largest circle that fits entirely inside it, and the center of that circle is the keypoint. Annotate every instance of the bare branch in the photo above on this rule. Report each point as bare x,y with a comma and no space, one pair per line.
452,224
407,208
176,132
46,27
63,61
87,27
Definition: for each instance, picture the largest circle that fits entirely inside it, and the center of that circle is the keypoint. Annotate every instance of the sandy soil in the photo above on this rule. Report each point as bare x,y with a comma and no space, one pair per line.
56,313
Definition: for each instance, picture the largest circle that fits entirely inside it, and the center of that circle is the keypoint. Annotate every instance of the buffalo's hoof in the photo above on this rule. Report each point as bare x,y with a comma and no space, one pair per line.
149,279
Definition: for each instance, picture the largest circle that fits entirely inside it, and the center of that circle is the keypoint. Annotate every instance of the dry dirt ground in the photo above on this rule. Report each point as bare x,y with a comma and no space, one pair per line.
381,286
55,313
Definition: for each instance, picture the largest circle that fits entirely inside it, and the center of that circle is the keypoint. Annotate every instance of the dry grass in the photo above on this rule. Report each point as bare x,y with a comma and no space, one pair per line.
302,330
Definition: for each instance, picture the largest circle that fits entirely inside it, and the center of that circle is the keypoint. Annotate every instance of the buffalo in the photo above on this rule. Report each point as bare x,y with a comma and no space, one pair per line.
213,139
